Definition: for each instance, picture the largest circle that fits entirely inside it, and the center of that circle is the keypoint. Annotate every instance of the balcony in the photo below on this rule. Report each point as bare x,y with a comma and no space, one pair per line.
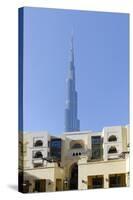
113,156
37,160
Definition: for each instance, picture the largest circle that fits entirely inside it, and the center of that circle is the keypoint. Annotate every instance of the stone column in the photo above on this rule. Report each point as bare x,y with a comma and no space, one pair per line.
106,181
127,179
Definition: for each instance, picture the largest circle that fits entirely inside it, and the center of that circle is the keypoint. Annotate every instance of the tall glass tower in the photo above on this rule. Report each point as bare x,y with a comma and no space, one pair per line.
72,122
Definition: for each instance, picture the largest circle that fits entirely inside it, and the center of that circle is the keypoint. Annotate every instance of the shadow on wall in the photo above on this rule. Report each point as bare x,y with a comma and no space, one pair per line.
13,187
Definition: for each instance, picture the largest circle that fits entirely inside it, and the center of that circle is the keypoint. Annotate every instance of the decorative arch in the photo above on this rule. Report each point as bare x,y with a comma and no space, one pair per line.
74,176
76,144
38,154
38,143
112,138
112,149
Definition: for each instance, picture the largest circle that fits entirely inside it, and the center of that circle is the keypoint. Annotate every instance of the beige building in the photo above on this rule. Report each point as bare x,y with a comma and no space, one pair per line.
75,160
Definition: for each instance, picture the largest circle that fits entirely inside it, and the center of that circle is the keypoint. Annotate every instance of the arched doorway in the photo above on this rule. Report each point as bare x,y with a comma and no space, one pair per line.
74,177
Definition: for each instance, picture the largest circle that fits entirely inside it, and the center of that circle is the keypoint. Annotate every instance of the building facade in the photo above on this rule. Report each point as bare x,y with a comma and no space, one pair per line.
75,160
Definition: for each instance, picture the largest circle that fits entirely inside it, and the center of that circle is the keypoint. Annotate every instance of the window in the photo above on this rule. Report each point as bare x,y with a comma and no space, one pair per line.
38,154
117,180
112,138
56,143
77,154
97,149
97,182
76,146
112,150
55,148
38,143
40,185
96,140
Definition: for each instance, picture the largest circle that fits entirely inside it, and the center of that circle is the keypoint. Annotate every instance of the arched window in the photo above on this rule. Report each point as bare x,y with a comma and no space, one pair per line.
79,153
112,150
76,146
112,138
73,154
38,154
38,143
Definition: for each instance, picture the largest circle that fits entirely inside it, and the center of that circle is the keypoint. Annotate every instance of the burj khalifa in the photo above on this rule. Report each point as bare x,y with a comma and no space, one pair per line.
72,123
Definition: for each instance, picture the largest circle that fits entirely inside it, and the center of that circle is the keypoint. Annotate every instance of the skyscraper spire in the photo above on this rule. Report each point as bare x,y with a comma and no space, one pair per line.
72,49
72,122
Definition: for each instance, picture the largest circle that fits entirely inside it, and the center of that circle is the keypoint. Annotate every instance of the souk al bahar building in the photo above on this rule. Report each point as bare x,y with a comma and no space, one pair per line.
75,159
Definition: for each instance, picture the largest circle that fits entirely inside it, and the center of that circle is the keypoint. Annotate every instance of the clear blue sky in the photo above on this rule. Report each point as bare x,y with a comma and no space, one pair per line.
101,45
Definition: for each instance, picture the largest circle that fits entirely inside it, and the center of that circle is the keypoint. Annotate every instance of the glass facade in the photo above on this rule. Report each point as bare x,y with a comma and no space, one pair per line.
72,123
97,149
55,148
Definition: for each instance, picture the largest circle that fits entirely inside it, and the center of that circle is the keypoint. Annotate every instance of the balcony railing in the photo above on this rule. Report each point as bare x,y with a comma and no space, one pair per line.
37,160
112,156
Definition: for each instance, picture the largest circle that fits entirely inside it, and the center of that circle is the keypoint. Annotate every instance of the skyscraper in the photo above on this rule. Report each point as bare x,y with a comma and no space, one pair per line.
72,122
